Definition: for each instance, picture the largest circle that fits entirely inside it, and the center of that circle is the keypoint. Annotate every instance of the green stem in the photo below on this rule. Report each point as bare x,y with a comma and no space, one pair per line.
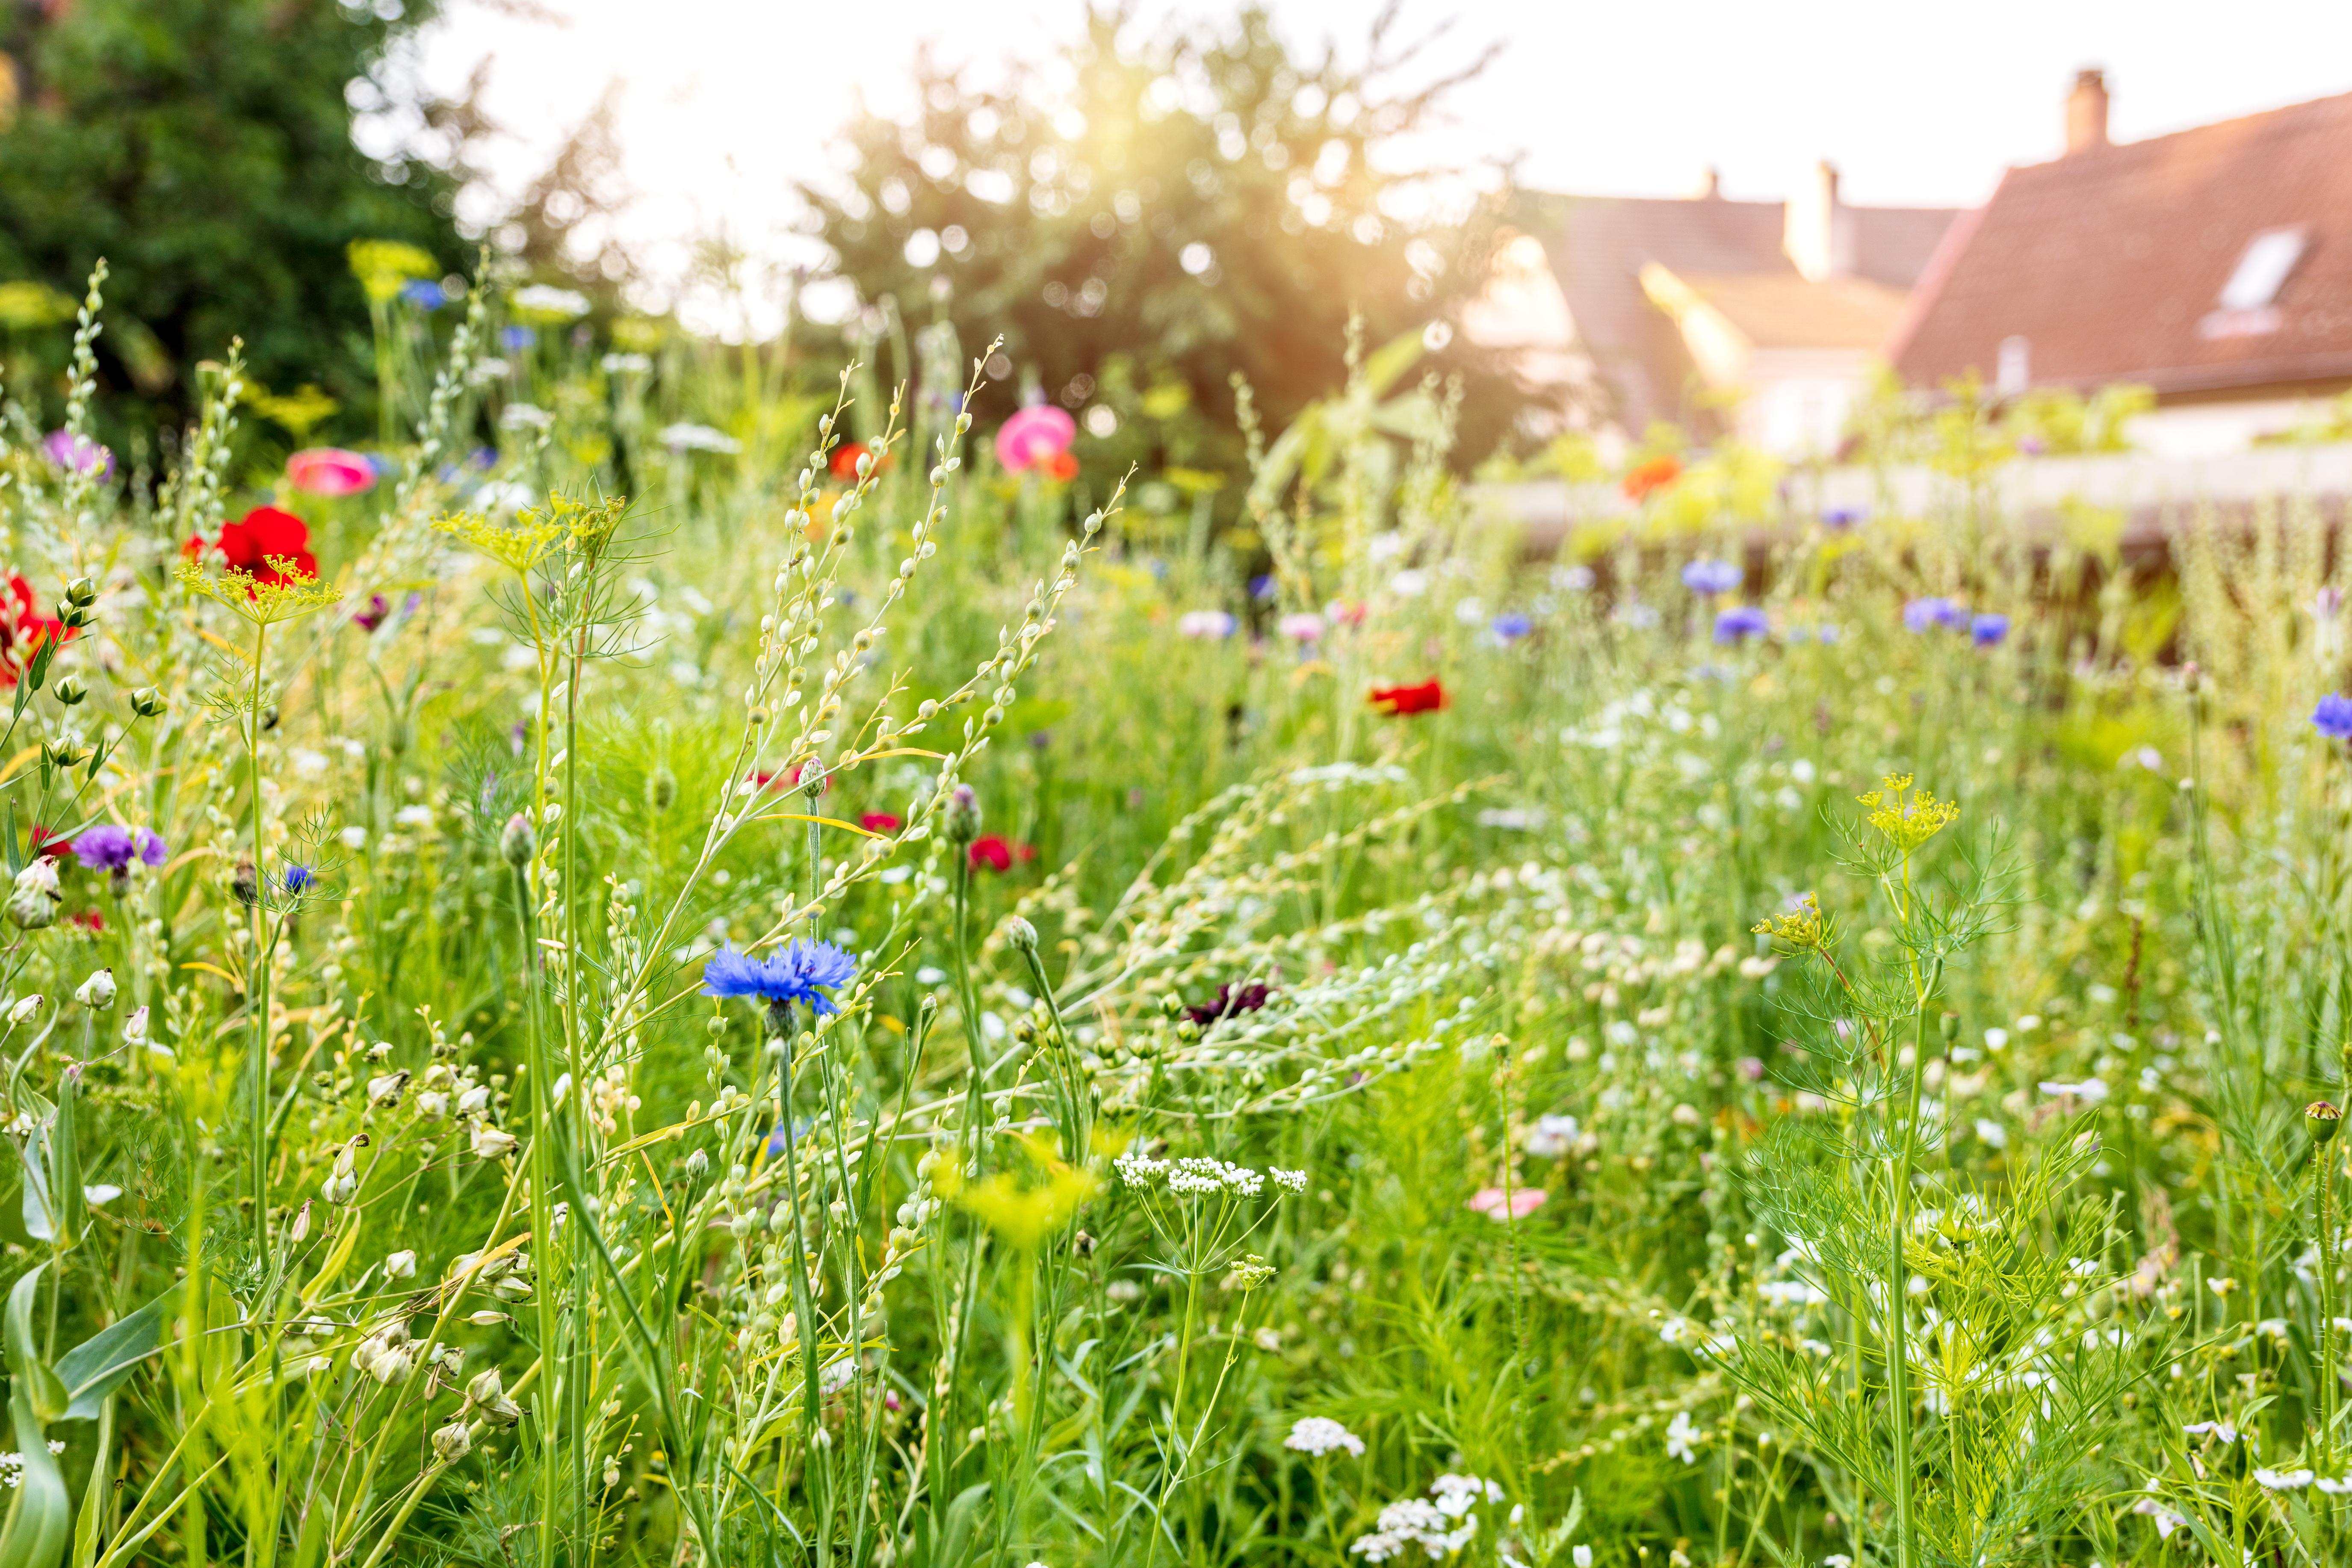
257,990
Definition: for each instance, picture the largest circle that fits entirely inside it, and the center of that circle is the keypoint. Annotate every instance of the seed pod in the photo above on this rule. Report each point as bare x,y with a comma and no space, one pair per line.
2320,1119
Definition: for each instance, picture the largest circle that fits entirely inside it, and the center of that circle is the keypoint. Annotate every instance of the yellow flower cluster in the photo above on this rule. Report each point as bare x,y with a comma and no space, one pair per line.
284,595
1908,823
1803,929
523,543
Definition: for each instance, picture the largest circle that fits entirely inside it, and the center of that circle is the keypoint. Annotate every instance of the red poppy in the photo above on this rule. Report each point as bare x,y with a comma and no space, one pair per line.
48,843
1654,473
998,854
1061,466
23,630
89,921
252,540
1398,701
880,822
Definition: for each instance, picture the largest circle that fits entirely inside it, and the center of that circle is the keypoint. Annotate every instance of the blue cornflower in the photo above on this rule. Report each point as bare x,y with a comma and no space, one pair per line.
792,975
1740,623
1989,630
300,878
423,294
1711,576
1262,587
1840,519
2332,717
1924,615
1511,625
517,337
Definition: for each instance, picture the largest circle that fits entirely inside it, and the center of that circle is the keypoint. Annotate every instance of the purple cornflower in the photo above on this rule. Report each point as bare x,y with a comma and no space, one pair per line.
108,848
1988,631
1511,625
792,975
1711,576
2332,717
1740,623
1841,518
1924,615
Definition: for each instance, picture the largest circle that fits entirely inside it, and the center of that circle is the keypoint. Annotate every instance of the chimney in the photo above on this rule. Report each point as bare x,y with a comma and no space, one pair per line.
2086,111
1817,232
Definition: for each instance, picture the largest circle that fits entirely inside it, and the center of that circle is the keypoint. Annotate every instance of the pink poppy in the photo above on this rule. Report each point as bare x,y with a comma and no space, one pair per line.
1524,1201
1036,437
329,471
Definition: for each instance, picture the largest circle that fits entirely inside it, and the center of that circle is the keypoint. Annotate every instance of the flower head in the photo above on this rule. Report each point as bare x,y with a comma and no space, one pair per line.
1521,1202
1908,823
1652,474
795,973
1510,626
1305,626
1231,1000
1206,624
108,848
1740,623
78,455
880,821
1321,1435
1403,702
1712,576
997,853
23,630
1988,631
300,879
2332,717
267,544
1925,614
329,471
1035,438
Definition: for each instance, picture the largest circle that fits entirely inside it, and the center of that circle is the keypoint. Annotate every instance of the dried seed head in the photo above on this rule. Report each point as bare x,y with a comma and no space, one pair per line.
2320,1120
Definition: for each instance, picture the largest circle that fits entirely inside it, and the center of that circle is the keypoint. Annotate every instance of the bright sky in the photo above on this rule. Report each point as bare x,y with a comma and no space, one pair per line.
725,103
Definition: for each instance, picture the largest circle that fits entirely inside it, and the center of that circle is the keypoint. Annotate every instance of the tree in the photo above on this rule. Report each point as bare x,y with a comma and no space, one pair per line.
204,148
1143,219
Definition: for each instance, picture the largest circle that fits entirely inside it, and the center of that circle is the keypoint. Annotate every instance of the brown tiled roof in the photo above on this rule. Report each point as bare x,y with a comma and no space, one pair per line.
1598,246
2109,262
1783,310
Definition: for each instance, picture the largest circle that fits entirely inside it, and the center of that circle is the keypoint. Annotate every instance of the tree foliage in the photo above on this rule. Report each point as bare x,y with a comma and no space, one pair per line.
204,148
1142,217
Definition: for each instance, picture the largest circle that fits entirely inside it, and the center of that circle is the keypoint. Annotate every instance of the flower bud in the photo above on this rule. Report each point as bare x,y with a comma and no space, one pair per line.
33,904
97,993
246,885
452,1441
661,789
1021,934
147,703
71,691
81,591
697,1165
518,844
401,1264
2320,1119
26,1006
489,1143
962,825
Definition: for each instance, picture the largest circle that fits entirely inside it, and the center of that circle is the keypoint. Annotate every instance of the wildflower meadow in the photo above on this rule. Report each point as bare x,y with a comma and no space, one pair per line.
655,968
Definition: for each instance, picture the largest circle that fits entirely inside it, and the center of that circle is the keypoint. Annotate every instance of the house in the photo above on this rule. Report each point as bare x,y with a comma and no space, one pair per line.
2213,265
1757,319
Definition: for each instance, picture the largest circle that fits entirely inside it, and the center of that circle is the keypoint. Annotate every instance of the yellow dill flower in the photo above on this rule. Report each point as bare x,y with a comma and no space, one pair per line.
1023,1215
283,592
537,532
1804,928
1907,823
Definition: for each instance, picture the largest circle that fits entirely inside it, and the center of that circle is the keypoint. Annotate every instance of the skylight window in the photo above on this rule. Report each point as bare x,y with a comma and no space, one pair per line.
2262,270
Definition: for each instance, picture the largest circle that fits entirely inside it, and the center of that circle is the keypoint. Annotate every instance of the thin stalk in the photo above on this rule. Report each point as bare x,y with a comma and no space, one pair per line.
542,1189
257,987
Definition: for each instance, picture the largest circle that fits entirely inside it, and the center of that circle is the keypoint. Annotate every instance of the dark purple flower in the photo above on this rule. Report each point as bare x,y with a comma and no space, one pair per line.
1740,623
1231,999
378,608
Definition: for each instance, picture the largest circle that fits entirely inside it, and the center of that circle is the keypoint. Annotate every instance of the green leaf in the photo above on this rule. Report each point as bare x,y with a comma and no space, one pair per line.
100,1364
32,1376
35,1156
68,1210
40,1515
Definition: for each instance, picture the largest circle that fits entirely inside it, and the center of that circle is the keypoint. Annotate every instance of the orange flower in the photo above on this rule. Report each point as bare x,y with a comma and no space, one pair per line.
1402,702
1654,473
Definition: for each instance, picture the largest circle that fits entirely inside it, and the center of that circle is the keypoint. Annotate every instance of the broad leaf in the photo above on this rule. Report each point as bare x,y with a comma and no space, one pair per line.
40,1515
100,1364
34,1377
